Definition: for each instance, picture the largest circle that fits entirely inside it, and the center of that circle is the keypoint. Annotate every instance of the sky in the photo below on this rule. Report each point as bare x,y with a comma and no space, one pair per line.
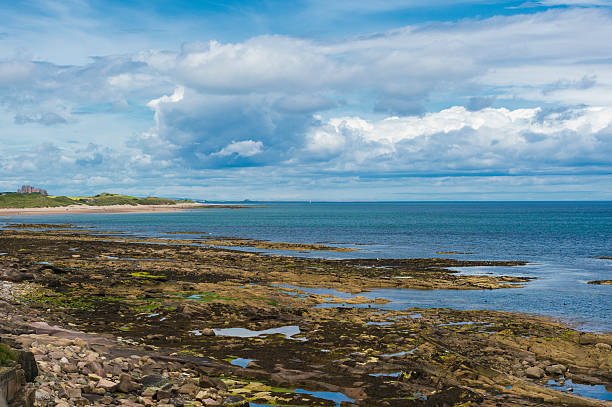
397,100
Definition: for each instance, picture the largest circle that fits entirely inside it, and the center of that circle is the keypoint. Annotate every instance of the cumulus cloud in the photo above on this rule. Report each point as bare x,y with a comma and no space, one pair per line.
376,103
457,140
270,86
194,128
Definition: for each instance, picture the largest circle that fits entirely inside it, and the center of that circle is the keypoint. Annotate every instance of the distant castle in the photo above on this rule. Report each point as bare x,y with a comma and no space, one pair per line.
28,189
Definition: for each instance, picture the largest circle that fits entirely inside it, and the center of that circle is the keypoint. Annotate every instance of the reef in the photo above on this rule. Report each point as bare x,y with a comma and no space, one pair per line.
193,321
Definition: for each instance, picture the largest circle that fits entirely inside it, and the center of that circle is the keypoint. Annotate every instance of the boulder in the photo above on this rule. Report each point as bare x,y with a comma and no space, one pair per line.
534,372
555,370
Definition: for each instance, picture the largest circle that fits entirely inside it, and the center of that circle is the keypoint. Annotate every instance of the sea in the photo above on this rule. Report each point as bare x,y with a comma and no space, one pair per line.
561,241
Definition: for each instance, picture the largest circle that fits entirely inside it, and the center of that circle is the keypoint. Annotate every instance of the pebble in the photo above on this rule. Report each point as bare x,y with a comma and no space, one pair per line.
70,370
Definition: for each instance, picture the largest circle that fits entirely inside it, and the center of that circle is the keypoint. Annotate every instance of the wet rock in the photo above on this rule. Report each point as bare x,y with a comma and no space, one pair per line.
207,332
235,401
585,379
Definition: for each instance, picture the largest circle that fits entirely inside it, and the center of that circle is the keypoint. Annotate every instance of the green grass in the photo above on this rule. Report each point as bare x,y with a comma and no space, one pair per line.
7,356
15,200
117,199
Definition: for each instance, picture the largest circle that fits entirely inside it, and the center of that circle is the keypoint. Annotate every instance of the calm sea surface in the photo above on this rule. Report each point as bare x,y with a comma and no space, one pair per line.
561,242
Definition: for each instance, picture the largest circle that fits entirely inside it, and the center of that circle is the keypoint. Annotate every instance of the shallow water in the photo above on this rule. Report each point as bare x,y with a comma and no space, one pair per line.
336,397
327,395
597,391
242,362
561,240
288,331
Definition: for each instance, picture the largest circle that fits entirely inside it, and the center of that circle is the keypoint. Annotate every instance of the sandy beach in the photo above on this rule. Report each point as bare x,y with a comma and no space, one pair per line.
104,209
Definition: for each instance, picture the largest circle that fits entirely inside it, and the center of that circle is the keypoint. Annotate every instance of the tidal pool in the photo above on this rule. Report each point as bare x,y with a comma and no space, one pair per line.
593,391
337,397
242,362
288,331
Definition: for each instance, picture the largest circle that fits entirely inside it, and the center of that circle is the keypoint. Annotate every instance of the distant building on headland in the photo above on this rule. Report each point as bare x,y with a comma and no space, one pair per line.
28,189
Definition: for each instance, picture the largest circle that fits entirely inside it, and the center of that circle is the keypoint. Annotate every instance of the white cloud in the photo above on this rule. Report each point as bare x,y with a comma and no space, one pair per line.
318,105
245,148
549,3
177,96
458,140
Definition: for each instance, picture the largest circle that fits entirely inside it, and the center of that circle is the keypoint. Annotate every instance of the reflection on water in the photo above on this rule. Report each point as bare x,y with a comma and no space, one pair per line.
288,331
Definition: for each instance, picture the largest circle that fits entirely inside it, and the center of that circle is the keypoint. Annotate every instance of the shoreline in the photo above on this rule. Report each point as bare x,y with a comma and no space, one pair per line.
231,318
72,209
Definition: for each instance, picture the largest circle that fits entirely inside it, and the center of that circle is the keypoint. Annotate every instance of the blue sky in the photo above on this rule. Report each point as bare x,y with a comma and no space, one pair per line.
313,99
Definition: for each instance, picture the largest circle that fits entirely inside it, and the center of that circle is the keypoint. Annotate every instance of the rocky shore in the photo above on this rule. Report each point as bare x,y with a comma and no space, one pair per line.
114,319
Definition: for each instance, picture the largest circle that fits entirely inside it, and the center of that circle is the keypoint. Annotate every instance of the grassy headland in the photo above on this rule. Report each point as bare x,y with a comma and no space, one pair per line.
36,200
